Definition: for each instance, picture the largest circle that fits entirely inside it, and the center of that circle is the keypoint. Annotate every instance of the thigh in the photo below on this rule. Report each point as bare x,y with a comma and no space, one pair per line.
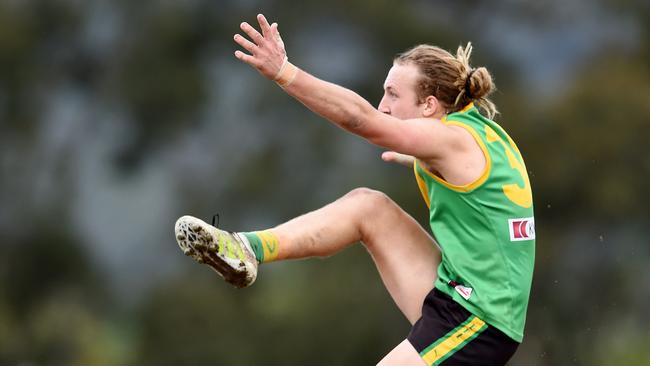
449,335
406,256
490,348
402,355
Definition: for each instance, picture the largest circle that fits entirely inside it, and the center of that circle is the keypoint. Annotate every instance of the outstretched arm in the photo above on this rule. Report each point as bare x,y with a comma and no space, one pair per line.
422,138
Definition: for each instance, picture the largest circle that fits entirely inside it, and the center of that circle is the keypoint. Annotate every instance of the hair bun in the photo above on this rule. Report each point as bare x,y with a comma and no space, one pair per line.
478,83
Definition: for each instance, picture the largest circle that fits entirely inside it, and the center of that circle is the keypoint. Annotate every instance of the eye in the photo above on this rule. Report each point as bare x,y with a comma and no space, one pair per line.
392,94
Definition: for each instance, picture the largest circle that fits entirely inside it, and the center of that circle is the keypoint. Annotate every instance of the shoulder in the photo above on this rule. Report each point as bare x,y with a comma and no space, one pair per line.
441,136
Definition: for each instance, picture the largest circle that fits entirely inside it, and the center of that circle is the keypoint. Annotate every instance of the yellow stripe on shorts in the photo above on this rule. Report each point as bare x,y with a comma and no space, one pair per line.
453,341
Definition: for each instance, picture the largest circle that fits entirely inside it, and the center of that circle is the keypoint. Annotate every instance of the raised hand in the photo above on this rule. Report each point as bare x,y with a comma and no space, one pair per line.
266,50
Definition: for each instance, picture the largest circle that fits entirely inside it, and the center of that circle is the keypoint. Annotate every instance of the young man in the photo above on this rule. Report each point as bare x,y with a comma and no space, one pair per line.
467,307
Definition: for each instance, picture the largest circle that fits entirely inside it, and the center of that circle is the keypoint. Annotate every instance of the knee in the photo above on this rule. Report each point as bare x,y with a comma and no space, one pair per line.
368,195
369,198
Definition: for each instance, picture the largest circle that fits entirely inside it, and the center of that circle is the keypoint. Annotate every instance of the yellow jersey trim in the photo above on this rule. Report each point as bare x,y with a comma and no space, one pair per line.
466,108
486,171
421,184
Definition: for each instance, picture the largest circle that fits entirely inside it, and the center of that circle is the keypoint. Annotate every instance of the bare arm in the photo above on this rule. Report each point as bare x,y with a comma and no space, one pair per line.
424,138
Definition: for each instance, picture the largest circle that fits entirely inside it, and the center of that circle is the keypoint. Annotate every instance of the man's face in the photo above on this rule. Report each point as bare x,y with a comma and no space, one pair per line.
400,99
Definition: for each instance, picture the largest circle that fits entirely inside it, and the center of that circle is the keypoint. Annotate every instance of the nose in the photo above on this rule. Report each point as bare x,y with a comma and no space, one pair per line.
383,106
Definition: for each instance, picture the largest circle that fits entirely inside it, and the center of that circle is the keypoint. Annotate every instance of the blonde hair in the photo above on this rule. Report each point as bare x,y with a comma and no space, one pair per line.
450,79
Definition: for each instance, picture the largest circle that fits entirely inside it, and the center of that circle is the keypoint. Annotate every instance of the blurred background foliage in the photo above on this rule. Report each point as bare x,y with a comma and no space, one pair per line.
116,117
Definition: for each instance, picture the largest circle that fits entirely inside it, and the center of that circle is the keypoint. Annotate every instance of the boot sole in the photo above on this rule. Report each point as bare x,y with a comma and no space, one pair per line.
197,240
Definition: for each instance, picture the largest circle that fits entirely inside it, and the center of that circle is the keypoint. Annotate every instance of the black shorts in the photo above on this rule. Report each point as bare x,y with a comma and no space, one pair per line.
449,335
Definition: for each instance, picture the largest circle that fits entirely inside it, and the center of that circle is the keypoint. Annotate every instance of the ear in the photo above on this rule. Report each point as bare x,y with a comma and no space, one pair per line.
431,106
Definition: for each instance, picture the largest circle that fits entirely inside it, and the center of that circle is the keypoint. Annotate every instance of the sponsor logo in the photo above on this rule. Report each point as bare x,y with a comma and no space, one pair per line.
465,292
522,229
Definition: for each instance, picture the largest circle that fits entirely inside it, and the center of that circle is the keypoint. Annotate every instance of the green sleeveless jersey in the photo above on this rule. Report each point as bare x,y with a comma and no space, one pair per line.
485,229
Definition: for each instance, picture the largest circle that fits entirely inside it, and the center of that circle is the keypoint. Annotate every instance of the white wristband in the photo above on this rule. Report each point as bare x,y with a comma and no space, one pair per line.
287,74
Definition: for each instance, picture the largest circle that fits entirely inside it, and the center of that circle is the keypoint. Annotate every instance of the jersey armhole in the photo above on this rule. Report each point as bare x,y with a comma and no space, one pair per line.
466,188
422,185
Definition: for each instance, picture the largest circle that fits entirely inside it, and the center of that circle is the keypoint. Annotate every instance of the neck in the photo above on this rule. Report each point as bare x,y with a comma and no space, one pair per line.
439,114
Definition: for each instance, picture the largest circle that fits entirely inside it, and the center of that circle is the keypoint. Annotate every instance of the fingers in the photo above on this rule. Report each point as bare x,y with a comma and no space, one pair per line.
275,33
252,33
247,58
264,51
264,25
387,156
395,157
245,43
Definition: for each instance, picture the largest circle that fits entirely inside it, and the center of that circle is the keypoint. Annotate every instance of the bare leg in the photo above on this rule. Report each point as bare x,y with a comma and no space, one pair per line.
402,355
404,253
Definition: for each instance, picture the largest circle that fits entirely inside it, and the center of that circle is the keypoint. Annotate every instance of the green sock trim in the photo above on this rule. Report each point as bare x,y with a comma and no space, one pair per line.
256,244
